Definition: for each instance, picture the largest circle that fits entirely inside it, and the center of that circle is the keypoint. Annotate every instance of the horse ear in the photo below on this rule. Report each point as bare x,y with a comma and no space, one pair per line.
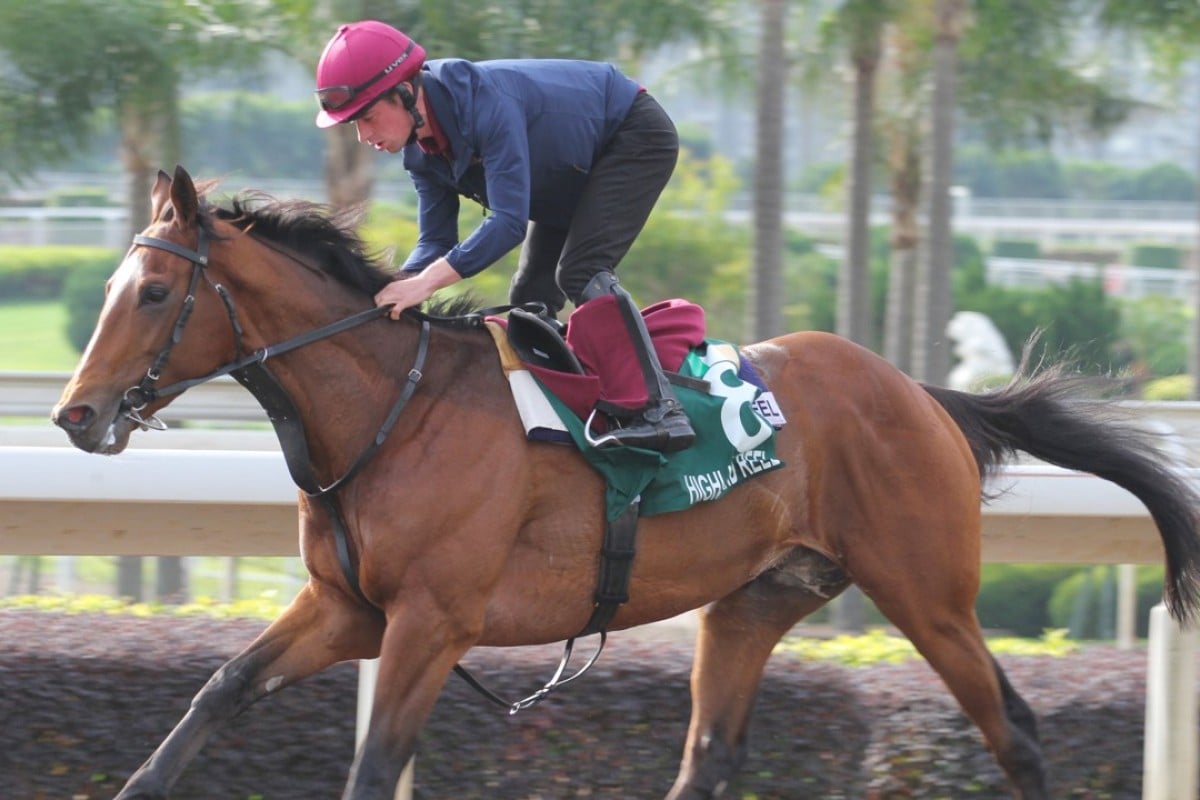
160,195
184,198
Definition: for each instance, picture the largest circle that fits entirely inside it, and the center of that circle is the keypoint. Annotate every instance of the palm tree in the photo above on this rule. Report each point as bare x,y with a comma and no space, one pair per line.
860,24
901,122
767,276
934,303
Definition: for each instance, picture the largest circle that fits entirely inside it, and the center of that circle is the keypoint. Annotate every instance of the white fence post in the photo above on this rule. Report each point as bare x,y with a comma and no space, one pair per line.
368,672
1170,756
1126,606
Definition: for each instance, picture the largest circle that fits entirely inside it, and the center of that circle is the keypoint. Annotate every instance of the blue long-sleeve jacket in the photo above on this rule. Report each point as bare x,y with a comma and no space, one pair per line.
524,135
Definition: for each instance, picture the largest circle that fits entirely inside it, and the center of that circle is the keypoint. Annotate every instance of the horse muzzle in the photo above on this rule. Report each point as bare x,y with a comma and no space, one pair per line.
86,429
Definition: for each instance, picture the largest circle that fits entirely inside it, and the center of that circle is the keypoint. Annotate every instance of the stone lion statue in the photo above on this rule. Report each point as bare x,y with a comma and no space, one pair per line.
984,356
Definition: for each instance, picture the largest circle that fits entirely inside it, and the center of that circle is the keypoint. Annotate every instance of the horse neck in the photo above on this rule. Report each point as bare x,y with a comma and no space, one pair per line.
342,386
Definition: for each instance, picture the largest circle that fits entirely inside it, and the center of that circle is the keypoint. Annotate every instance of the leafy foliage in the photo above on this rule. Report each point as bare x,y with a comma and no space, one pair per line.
1155,328
265,606
550,28
1021,79
65,59
1079,321
878,647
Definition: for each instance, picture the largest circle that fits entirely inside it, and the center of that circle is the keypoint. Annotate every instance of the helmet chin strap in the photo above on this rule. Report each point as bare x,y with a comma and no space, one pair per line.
409,100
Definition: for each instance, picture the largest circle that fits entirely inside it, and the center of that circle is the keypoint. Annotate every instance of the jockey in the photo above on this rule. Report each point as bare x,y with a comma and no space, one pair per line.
568,157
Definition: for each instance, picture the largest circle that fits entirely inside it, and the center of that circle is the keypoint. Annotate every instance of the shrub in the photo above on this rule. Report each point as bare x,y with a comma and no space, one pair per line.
1157,256
82,197
1155,327
1175,387
1080,323
83,296
1015,248
1164,182
1015,597
39,273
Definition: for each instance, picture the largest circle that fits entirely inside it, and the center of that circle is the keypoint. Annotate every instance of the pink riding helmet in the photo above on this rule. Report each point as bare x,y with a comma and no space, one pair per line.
362,61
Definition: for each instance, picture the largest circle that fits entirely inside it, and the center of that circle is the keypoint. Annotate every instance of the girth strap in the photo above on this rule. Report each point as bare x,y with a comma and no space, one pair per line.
616,565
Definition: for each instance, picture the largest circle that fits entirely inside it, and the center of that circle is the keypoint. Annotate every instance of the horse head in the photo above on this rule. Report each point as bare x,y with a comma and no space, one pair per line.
162,321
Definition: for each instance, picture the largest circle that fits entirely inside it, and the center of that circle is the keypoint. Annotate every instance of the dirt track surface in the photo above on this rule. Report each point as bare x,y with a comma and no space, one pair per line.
85,699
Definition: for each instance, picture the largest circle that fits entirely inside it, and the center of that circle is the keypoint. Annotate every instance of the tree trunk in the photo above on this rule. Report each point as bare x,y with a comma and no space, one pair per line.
854,279
1194,353
170,580
137,146
129,578
767,289
935,302
349,170
905,164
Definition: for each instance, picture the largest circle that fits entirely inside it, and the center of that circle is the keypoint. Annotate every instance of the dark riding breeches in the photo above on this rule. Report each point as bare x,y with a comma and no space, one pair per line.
624,183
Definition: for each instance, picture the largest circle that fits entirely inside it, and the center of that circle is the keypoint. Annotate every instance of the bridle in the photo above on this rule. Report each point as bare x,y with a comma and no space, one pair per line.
251,372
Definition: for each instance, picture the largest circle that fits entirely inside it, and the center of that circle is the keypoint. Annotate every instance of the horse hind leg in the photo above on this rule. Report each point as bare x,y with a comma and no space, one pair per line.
943,627
737,636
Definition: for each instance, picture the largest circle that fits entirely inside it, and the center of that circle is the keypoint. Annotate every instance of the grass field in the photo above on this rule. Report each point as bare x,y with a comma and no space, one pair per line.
33,337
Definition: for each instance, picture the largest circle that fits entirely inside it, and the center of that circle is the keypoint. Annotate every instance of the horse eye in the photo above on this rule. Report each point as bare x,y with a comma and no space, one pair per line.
154,293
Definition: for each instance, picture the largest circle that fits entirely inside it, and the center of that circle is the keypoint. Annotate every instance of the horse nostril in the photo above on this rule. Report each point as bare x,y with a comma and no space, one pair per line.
75,418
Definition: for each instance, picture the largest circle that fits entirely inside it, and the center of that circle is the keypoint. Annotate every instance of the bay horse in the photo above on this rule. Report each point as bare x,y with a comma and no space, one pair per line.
882,488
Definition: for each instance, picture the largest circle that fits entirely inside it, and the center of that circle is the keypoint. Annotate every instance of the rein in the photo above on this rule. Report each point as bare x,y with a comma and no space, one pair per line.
250,371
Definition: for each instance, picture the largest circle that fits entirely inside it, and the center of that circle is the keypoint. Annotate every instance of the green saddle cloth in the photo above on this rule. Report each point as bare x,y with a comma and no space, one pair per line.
734,441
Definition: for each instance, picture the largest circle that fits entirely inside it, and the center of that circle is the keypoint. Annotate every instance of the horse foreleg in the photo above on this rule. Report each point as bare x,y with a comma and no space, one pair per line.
420,647
319,628
737,636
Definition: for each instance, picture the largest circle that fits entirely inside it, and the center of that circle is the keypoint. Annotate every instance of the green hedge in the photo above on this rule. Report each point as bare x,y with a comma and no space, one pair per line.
40,272
1158,256
83,295
1016,597
1016,248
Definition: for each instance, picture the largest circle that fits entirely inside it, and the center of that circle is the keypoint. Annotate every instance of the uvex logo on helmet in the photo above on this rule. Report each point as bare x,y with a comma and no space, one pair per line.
362,61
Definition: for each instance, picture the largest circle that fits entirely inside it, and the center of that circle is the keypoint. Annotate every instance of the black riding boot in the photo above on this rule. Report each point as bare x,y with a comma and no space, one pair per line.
662,425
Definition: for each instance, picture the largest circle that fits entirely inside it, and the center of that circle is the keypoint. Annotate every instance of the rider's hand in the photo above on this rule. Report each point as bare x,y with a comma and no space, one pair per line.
403,293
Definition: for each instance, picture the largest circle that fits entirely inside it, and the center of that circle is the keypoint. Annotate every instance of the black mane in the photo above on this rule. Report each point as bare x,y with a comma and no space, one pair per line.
330,238
327,237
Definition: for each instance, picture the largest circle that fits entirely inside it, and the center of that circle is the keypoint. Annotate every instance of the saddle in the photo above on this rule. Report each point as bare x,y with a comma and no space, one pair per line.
543,344
538,340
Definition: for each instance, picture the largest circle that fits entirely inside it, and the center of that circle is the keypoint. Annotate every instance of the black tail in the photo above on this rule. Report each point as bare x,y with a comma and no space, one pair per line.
1038,415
